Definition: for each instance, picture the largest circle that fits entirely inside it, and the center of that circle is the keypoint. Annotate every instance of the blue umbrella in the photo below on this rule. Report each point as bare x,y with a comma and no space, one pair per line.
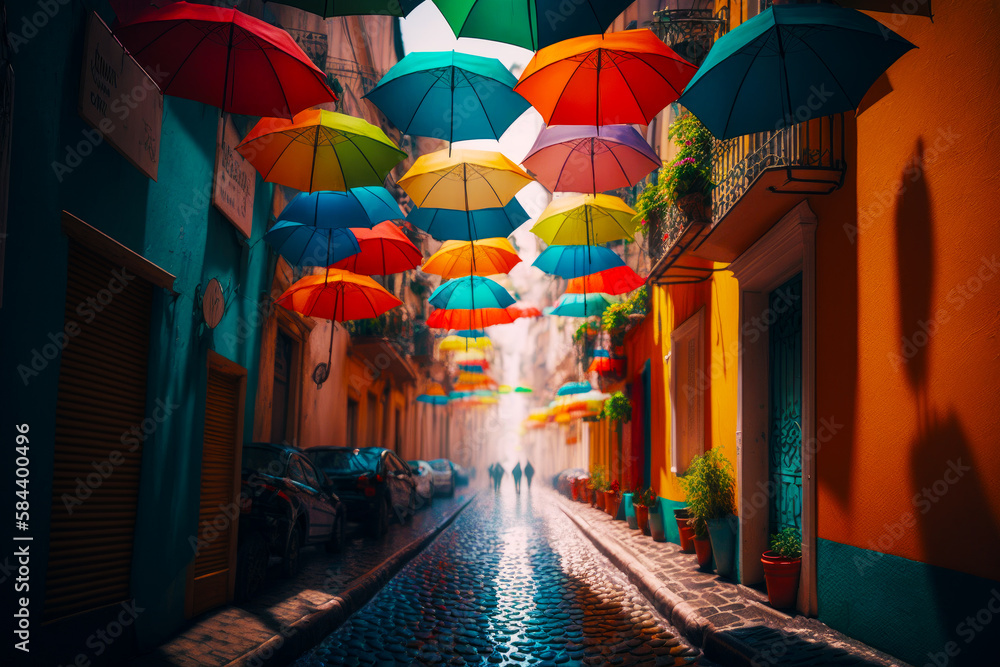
574,388
573,261
582,305
448,95
433,400
305,245
470,293
357,207
472,333
446,224
789,64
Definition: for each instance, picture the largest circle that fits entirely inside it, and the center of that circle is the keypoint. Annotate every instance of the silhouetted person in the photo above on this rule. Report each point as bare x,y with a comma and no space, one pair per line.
493,475
529,472
499,477
516,472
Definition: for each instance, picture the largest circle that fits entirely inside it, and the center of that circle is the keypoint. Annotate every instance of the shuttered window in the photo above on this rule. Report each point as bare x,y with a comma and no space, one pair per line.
100,413
688,385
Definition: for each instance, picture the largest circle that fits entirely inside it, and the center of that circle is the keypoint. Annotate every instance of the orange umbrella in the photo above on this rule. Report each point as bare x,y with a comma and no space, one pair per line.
618,280
338,295
468,319
384,250
615,78
485,257
519,310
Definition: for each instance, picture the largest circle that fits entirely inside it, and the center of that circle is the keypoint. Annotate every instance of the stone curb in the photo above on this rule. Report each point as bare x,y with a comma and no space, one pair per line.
305,633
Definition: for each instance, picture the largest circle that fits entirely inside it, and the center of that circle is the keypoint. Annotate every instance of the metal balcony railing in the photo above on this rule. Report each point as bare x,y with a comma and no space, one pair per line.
395,328
690,28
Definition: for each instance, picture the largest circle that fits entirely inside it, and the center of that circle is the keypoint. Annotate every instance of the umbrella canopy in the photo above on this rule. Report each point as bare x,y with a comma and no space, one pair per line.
469,293
320,150
435,389
789,64
472,333
328,8
504,389
480,317
304,245
433,400
523,390
573,261
531,24
602,363
484,223
580,305
457,343
466,180
587,158
619,280
574,388
384,249
469,356
225,58
449,95
585,220
620,77
338,295
521,309
475,366
331,209
482,258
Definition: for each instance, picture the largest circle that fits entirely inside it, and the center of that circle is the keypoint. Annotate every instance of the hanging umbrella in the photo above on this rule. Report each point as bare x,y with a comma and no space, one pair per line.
465,180
587,158
582,305
225,58
585,220
320,150
470,293
531,24
456,343
469,356
504,389
603,363
789,64
384,249
573,261
472,333
338,295
444,223
332,209
304,245
520,309
449,95
523,390
435,389
475,366
468,318
482,258
574,388
615,281
620,77
433,400
328,8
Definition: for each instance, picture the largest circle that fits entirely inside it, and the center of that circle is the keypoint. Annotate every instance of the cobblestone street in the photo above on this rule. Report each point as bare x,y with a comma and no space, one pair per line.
512,581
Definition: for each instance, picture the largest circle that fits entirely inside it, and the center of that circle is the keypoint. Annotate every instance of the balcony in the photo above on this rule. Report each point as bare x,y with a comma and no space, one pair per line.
386,343
690,28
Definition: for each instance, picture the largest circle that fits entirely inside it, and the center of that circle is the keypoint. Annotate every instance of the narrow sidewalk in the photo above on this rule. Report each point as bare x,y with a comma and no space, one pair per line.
289,617
732,624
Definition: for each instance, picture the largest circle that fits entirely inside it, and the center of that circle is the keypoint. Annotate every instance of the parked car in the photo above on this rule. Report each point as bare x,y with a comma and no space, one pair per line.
285,504
423,475
372,481
461,475
444,476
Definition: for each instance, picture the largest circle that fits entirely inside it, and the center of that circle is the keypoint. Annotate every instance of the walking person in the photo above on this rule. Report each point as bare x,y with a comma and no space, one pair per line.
499,477
493,475
529,472
516,472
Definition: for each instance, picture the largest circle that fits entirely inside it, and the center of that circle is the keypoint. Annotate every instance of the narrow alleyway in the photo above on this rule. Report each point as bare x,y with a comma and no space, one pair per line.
512,581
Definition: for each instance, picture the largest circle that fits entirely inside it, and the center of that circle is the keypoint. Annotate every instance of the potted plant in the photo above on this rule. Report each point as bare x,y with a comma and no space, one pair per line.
598,484
618,408
628,507
681,516
612,499
710,485
702,545
782,565
642,502
656,528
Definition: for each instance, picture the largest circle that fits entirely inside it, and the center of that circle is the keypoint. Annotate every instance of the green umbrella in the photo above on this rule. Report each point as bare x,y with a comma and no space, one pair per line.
328,8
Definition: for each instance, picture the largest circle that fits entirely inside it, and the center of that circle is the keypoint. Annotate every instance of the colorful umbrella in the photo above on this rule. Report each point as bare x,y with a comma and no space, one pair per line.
338,295
615,281
574,388
504,389
482,258
456,343
789,64
582,305
484,223
332,209
435,389
587,158
304,245
603,363
520,309
225,58
384,249
470,293
585,220
523,390
467,318
573,261
465,180
475,366
328,8
620,77
531,24
433,400
449,95
469,356
320,150
472,333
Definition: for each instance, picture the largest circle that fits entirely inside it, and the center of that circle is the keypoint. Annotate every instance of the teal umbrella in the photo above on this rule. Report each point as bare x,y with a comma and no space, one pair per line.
328,8
472,333
305,245
358,207
582,305
448,95
445,224
433,400
573,261
471,293
790,64
574,388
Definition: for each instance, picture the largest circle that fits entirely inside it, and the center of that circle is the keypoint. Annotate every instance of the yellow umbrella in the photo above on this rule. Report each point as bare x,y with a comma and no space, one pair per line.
486,257
467,377
465,180
435,389
585,220
469,356
504,389
458,344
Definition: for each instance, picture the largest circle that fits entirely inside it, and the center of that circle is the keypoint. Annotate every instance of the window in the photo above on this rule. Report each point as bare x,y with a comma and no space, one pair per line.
688,382
312,478
352,422
295,471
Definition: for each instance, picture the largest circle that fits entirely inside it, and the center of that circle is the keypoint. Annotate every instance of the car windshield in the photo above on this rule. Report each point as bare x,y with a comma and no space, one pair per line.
414,466
345,460
440,465
265,461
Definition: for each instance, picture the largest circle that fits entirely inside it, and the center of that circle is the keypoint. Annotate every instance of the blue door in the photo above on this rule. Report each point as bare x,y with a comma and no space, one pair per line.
785,389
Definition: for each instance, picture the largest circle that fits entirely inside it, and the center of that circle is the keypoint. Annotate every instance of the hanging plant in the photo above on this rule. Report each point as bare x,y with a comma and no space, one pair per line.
618,408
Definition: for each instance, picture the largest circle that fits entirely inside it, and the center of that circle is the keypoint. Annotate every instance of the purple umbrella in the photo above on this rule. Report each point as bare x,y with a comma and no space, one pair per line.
587,158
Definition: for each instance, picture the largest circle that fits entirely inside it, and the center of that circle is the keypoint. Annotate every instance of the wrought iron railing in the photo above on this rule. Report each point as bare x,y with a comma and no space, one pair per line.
394,327
692,29
663,228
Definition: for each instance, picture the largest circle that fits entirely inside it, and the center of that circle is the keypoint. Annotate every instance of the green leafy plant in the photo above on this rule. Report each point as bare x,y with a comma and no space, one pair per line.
614,317
709,487
598,478
787,543
638,302
645,498
618,408
585,329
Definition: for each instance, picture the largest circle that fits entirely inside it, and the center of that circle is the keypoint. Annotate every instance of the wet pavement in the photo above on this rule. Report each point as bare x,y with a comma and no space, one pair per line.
512,581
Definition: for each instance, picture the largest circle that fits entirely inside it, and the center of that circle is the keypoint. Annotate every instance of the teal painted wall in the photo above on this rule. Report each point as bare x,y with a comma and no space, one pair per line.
170,222
919,613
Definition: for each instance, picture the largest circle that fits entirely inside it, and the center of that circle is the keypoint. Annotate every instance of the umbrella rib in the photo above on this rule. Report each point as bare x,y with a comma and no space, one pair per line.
480,100
276,77
416,109
563,91
282,153
827,68
350,140
740,87
189,54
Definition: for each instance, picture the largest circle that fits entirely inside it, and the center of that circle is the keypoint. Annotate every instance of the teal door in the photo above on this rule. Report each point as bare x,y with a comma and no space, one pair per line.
785,382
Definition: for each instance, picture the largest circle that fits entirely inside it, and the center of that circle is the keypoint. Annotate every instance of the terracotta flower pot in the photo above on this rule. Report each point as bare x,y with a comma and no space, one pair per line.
642,517
574,489
703,547
687,536
611,503
782,576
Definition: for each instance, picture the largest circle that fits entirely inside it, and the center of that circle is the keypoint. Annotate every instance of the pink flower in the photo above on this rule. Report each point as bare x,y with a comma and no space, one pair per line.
687,143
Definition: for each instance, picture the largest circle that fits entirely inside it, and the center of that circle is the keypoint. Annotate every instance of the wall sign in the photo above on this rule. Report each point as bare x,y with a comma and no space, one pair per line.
213,303
119,99
235,179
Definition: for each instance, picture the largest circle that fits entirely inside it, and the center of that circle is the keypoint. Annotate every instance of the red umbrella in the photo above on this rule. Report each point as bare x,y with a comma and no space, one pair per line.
384,250
606,365
478,318
619,280
521,309
225,58
338,295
